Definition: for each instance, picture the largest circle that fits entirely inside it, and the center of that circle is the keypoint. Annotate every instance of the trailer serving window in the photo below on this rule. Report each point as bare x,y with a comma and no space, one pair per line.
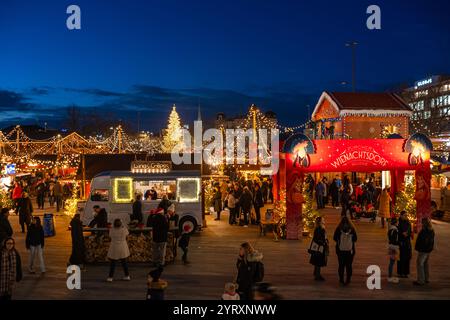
188,189
123,190
161,187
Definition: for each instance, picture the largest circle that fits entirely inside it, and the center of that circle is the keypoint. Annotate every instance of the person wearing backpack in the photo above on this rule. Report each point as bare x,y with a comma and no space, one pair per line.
393,250
424,246
319,248
250,270
345,238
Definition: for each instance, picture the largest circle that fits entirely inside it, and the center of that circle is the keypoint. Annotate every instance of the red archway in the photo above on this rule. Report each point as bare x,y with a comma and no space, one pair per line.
301,155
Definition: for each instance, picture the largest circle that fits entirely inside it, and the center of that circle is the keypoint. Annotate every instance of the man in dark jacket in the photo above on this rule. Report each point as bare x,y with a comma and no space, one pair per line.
404,242
6,230
160,229
424,246
40,193
78,247
164,204
100,219
25,210
258,203
245,202
137,210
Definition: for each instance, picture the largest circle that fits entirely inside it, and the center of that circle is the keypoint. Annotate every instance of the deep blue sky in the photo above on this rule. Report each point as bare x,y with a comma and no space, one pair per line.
146,55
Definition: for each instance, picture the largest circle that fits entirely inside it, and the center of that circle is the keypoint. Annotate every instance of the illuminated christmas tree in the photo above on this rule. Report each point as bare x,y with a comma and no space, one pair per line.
173,134
404,200
279,206
5,200
70,205
309,215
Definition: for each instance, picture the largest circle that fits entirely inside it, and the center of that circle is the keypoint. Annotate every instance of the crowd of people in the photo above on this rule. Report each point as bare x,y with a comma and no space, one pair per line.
399,249
243,198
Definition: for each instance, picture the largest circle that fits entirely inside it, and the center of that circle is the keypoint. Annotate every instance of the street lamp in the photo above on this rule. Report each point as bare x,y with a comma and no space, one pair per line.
353,44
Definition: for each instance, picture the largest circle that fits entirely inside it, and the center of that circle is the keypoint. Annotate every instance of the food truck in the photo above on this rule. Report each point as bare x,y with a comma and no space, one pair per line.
115,191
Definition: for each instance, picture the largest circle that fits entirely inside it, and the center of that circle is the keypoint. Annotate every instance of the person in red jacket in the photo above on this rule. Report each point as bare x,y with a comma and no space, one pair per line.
17,193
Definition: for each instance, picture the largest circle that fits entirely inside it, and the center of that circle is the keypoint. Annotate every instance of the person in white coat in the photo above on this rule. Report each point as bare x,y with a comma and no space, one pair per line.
118,249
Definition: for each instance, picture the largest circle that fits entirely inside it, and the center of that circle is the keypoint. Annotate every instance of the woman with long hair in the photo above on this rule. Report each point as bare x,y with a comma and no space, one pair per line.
10,268
345,237
250,270
319,248
424,246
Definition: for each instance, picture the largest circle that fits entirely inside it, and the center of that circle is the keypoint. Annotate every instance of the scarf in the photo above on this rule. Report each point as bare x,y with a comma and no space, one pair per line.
7,271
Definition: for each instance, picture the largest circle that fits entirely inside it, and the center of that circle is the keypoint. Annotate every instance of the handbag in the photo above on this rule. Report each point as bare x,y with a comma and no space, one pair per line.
315,248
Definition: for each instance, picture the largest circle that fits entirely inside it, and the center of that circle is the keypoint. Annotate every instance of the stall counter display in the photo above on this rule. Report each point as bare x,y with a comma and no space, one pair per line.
139,243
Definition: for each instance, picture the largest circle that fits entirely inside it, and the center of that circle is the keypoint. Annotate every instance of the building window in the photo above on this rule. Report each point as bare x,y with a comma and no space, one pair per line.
440,101
445,87
417,106
427,114
445,112
423,93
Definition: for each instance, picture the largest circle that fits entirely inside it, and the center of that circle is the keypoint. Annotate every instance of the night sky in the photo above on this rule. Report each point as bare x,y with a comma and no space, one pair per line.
142,56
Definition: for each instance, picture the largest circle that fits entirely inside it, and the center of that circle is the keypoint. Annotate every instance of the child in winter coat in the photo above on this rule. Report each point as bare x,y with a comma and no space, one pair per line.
155,285
183,243
230,292
393,248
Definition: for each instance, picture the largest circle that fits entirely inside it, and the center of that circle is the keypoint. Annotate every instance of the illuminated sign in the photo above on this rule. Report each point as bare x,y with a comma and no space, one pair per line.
359,155
151,166
425,82
11,168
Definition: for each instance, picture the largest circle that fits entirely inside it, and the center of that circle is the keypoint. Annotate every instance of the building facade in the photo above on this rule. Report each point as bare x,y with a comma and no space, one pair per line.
430,101
348,115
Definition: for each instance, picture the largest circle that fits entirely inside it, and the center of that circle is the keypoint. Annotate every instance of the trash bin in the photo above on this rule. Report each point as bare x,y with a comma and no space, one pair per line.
49,225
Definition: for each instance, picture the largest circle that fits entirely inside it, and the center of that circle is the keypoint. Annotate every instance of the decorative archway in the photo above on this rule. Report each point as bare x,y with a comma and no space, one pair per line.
301,155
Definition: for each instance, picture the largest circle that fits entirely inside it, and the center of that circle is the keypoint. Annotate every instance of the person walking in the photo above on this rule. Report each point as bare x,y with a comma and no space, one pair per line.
78,248
320,192
118,249
385,205
334,192
10,268
404,242
217,198
250,270
58,193
35,243
231,203
137,210
424,247
6,230
51,192
160,229
345,238
16,193
246,204
393,249
40,194
258,203
319,248
25,211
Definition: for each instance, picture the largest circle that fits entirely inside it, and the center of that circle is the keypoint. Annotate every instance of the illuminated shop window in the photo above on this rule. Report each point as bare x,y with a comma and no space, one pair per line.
161,187
123,190
100,195
188,189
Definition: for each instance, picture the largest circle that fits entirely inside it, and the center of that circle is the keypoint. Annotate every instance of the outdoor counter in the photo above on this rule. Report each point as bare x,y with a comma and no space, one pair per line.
139,241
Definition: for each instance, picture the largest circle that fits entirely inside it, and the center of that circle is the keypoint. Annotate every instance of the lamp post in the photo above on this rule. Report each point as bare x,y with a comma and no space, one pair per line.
353,44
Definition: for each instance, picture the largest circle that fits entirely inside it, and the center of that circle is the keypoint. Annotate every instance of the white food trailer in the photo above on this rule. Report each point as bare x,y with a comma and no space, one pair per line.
116,190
